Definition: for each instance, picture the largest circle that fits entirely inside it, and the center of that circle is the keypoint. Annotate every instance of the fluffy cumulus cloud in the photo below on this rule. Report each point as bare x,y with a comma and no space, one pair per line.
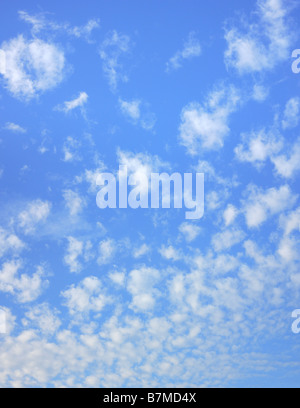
88,296
261,44
35,212
230,214
205,126
42,317
260,205
141,284
9,242
271,144
227,239
31,66
169,253
25,287
258,147
78,252
75,249
189,231
139,167
287,165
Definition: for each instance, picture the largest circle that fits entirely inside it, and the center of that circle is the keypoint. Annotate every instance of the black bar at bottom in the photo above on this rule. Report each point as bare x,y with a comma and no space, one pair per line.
89,398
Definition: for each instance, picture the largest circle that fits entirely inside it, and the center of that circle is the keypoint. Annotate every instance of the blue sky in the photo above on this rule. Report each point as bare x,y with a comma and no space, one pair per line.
145,298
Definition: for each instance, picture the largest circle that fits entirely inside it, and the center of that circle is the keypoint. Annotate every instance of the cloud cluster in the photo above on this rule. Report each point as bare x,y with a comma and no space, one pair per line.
262,44
205,126
32,66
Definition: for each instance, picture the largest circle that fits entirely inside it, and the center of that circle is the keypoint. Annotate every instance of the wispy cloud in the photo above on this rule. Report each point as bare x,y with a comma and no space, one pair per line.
40,23
78,102
13,127
112,48
138,113
191,49
291,113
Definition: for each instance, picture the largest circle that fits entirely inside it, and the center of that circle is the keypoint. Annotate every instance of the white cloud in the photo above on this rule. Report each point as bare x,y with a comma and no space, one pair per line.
84,31
9,242
141,285
91,176
32,66
138,113
191,49
43,317
226,239
141,251
87,296
40,23
169,253
78,102
289,249
213,200
13,127
71,149
7,321
204,127
73,201
75,249
230,214
291,113
35,212
205,167
263,44
260,93
189,231
261,205
2,62
26,288
257,147
112,48
287,166
131,109
118,278
140,166
290,222
107,249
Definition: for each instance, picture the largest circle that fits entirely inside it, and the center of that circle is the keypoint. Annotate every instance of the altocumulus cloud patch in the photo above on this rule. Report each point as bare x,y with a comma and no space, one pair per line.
134,294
